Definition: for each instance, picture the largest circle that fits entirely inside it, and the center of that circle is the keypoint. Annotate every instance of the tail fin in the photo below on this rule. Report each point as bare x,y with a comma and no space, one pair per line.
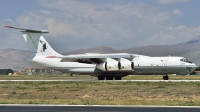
36,42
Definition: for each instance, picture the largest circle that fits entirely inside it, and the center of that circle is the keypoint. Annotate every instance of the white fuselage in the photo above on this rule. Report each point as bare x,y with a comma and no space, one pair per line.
142,65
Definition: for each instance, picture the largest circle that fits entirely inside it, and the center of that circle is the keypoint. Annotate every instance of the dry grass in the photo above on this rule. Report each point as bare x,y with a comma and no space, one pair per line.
100,93
67,77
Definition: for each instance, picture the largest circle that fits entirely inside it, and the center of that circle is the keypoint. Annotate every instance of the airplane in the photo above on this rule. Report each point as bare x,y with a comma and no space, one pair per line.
103,66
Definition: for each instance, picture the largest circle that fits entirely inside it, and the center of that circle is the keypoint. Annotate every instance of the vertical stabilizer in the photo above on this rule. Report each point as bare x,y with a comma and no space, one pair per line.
36,42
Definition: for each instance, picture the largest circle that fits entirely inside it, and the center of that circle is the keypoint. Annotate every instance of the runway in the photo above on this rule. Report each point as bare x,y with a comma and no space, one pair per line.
97,108
92,80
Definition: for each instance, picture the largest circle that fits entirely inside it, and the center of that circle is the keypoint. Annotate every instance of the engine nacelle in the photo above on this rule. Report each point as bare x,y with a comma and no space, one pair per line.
109,66
126,65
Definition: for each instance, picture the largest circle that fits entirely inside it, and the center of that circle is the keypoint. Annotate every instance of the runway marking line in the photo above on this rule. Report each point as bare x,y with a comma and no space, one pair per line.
143,106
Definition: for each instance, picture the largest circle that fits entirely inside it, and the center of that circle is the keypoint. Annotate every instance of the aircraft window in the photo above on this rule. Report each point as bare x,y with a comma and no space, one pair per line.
185,60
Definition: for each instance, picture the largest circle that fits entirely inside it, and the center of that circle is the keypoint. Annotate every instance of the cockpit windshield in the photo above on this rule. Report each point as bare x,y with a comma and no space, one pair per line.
185,60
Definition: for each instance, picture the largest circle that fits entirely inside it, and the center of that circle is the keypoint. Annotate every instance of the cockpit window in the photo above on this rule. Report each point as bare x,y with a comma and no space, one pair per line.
185,60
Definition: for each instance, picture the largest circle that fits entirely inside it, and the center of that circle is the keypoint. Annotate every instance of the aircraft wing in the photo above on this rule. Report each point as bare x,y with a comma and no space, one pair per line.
92,58
89,55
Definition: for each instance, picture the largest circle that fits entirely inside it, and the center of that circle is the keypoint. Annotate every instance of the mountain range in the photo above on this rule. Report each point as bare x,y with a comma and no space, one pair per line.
10,58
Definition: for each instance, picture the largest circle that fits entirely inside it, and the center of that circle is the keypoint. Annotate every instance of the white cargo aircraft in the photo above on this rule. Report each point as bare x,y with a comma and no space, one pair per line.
104,66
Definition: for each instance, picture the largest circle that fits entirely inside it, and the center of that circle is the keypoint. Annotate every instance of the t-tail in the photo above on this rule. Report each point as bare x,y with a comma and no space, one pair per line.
37,44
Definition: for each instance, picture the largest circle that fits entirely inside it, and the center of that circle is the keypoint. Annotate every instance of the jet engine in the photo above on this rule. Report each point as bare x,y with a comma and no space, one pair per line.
109,66
126,65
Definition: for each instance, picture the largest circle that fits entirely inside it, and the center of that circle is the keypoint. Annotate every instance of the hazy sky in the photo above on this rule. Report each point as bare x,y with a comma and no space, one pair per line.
76,24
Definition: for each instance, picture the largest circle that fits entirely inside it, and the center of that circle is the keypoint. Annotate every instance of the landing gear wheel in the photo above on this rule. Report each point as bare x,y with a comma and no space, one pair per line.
109,78
165,77
118,78
101,77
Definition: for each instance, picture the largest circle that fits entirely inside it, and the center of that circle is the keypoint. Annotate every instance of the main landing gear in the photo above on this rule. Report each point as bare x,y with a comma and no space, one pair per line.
109,78
166,77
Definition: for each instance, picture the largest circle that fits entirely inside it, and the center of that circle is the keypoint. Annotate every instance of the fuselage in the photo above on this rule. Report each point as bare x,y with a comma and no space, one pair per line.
143,65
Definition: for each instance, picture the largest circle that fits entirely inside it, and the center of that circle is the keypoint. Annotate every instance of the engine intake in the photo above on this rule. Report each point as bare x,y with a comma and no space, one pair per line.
116,66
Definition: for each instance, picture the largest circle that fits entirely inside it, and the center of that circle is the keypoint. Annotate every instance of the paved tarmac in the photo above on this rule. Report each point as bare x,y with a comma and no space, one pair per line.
83,108
92,80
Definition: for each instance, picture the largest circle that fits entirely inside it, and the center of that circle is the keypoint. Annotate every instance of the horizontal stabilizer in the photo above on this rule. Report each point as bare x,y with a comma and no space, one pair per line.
28,30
